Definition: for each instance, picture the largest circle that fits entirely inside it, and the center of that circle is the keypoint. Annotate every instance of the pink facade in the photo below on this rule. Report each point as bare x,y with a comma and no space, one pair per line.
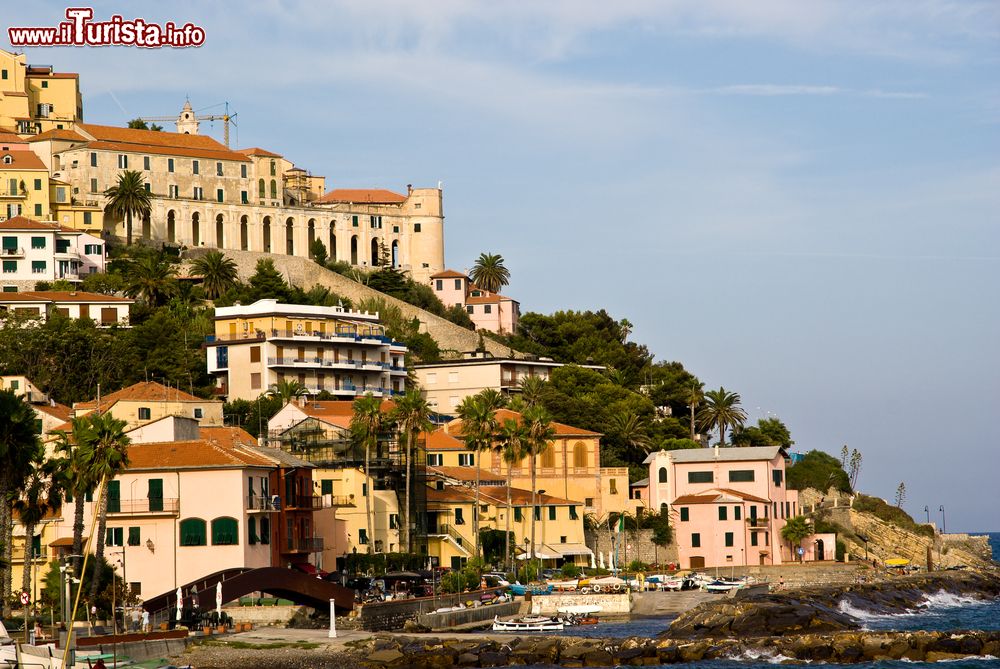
728,506
451,287
488,311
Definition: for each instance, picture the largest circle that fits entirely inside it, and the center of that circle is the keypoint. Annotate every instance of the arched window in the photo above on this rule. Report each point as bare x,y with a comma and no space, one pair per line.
375,253
274,189
220,233
244,234
267,234
290,236
263,188
354,249
580,455
171,227
193,532
395,253
225,532
273,171
333,243
195,229
549,457
663,507
663,475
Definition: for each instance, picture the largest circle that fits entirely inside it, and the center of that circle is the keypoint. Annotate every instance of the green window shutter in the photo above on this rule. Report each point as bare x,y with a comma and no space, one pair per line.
224,532
38,242
685,514
517,514
722,513
538,513
155,494
10,266
114,497
729,539
10,243
252,537
193,532
37,266
695,540
89,497
36,545
572,513
701,477
737,513
326,487
753,538
552,513
38,209
265,530
133,536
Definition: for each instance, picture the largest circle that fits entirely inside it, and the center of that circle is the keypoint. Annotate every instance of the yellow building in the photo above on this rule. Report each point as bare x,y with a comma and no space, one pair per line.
40,556
148,401
34,98
24,182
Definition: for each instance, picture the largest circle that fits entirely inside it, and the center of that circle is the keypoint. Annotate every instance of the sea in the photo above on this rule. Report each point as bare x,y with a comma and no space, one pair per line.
940,611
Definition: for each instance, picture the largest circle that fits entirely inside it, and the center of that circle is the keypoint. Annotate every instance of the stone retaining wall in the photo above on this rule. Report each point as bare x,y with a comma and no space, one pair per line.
264,615
636,545
611,605
386,616
451,619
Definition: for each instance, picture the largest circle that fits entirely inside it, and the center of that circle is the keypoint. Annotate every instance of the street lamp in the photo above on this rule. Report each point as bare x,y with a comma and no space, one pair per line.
944,525
527,556
927,510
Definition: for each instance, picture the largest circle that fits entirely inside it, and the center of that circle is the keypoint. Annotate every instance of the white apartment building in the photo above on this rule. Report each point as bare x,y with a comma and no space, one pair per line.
345,353
105,310
33,251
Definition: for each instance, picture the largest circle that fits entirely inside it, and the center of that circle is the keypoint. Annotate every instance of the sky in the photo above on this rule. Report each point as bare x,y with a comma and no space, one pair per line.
799,201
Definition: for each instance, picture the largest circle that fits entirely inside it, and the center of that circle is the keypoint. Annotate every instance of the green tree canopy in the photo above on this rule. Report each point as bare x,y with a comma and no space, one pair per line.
722,411
818,470
218,273
767,432
128,198
489,272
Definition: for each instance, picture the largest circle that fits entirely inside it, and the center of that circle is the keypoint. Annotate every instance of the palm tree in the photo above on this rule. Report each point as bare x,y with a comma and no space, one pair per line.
510,443
479,432
532,390
367,423
693,396
69,468
538,435
150,280
412,416
629,428
722,410
287,390
19,448
127,198
218,273
41,494
490,274
795,530
103,455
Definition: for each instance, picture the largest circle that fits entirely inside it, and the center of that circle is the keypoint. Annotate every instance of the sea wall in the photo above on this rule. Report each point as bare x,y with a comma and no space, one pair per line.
637,545
391,615
611,605
264,615
476,614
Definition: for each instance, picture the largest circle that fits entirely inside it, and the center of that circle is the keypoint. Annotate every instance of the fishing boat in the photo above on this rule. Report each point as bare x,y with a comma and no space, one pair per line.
723,585
534,589
605,584
579,614
566,585
529,624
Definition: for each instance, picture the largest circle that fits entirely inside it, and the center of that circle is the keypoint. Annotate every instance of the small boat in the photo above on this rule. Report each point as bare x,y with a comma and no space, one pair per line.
579,614
531,624
723,585
607,584
534,589
565,585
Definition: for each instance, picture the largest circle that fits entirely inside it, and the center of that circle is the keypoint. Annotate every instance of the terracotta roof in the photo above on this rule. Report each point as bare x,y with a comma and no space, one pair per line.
191,152
143,391
257,151
466,474
66,541
716,495
489,298
449,274
495,495
10,138
61,296
194,454
227,436
22,223
362,195
439,440
21,160
58,411
59,133
454,428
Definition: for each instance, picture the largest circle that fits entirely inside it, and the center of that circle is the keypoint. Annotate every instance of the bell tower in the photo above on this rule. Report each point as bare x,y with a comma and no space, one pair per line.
187,122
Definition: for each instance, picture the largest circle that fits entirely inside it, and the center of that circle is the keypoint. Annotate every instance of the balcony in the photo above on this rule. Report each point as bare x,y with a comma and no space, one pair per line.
336,501
303,545
372,338
12,252
168,506
260,503
309,502
13,194
758,522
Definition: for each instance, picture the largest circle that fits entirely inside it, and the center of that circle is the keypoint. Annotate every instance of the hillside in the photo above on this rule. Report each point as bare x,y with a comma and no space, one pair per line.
453,339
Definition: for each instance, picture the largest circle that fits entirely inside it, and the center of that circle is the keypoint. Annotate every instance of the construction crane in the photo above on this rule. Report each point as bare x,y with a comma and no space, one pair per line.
187,115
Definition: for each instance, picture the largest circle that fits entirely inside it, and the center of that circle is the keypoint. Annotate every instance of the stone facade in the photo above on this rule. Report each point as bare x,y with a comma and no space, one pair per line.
636,545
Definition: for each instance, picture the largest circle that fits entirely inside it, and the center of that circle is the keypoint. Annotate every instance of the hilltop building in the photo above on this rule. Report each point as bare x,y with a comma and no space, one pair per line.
488,311
346,353
49,414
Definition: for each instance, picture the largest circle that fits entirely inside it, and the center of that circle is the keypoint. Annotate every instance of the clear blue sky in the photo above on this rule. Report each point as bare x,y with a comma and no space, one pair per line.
797,200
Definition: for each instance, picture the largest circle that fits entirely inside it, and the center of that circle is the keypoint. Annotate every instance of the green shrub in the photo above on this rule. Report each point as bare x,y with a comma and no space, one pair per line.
818,470
891,514
636,566
841,550
570,570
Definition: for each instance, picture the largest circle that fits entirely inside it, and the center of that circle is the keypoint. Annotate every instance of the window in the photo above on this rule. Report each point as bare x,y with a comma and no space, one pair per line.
354,221
700,477
459,518
92,249
144,413
155,494
737,513
173,191
122,161
741,476
466,459
393,521
538,513
199,412
38,209
753,538
588,502
255,380
222,357
695,540
364,490
416,227
93,160
663,475
469,309
194,167
252,537
134,537
273,170
434,459
729,539
145,162
722,513
363,536
326,487
274,189
218,169
114,536
193,532
255,354
518,517
114,497
243,171
244,197
45,84
170,164
685,514
38,184
265,530
579,455
199,193
613,486
38,267
552,513
3,74
573,514
224,532
10,267
753,512
93,185
219,195
776,476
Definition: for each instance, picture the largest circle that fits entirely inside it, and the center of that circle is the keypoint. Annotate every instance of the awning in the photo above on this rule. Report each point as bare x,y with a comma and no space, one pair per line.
574,549
543,551
547,552
66,541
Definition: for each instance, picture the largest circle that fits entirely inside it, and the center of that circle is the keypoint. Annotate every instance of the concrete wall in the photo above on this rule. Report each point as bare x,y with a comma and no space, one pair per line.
383,616
450,619
611,605
264,615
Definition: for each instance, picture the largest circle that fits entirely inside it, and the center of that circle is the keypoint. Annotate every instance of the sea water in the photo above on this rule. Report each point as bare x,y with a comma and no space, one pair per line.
939,611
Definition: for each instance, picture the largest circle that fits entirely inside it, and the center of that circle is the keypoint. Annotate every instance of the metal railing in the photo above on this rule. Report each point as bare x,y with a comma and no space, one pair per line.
303,545
260,503
12,252
143,506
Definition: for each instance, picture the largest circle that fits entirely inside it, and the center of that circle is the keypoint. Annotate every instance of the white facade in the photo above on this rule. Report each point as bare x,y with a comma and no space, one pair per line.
33,251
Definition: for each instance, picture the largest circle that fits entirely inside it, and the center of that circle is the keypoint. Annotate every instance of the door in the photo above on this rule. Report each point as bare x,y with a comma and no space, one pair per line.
820,552
697,562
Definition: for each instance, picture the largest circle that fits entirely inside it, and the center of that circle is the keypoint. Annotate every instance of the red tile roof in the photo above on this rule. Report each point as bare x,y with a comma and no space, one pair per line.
193,152
454,428
362,195
257,151
21,159
194,454
10,138
495,495
449,274
22,223
59,133
153,141
62,296
713,496
143,391
60,412
489,298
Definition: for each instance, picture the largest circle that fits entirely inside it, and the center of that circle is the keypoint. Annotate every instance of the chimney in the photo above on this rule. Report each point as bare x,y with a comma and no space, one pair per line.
716,451
302,401
409,189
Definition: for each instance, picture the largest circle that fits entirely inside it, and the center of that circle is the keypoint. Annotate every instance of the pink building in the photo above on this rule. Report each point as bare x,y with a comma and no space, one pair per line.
728,506
488,311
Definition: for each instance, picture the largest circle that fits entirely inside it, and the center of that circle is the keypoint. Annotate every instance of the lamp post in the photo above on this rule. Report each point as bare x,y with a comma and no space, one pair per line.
527,555
927,510
944,524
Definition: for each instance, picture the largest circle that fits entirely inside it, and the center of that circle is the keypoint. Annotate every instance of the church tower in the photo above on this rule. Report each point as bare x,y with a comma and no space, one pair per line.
187,123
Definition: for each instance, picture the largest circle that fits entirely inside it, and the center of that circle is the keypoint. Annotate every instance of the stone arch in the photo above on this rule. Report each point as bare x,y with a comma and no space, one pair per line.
220,232
290,236
195,229
375,252
267,234
311,231
146,232
395,253
333,243
354,249
244,234
663,507
171,227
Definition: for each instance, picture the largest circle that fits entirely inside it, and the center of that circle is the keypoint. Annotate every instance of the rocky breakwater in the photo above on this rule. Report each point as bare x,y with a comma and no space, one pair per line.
823,608
842,648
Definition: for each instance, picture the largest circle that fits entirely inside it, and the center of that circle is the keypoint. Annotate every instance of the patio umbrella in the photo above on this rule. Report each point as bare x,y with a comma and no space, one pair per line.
611,561
218,598
593,565
601,556
180,603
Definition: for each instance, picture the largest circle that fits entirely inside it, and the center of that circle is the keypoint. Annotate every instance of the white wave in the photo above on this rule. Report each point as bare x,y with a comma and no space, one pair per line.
930,603
845,606
970,657
752,655
947,600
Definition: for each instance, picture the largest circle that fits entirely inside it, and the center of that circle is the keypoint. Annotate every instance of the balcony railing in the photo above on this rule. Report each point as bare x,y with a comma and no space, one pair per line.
304,502
18,194
140,507
12,252
260,503
303,545
758,522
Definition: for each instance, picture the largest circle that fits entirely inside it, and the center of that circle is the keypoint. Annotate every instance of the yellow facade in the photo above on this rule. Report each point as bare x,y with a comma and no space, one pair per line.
34,99
45,534
24,186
